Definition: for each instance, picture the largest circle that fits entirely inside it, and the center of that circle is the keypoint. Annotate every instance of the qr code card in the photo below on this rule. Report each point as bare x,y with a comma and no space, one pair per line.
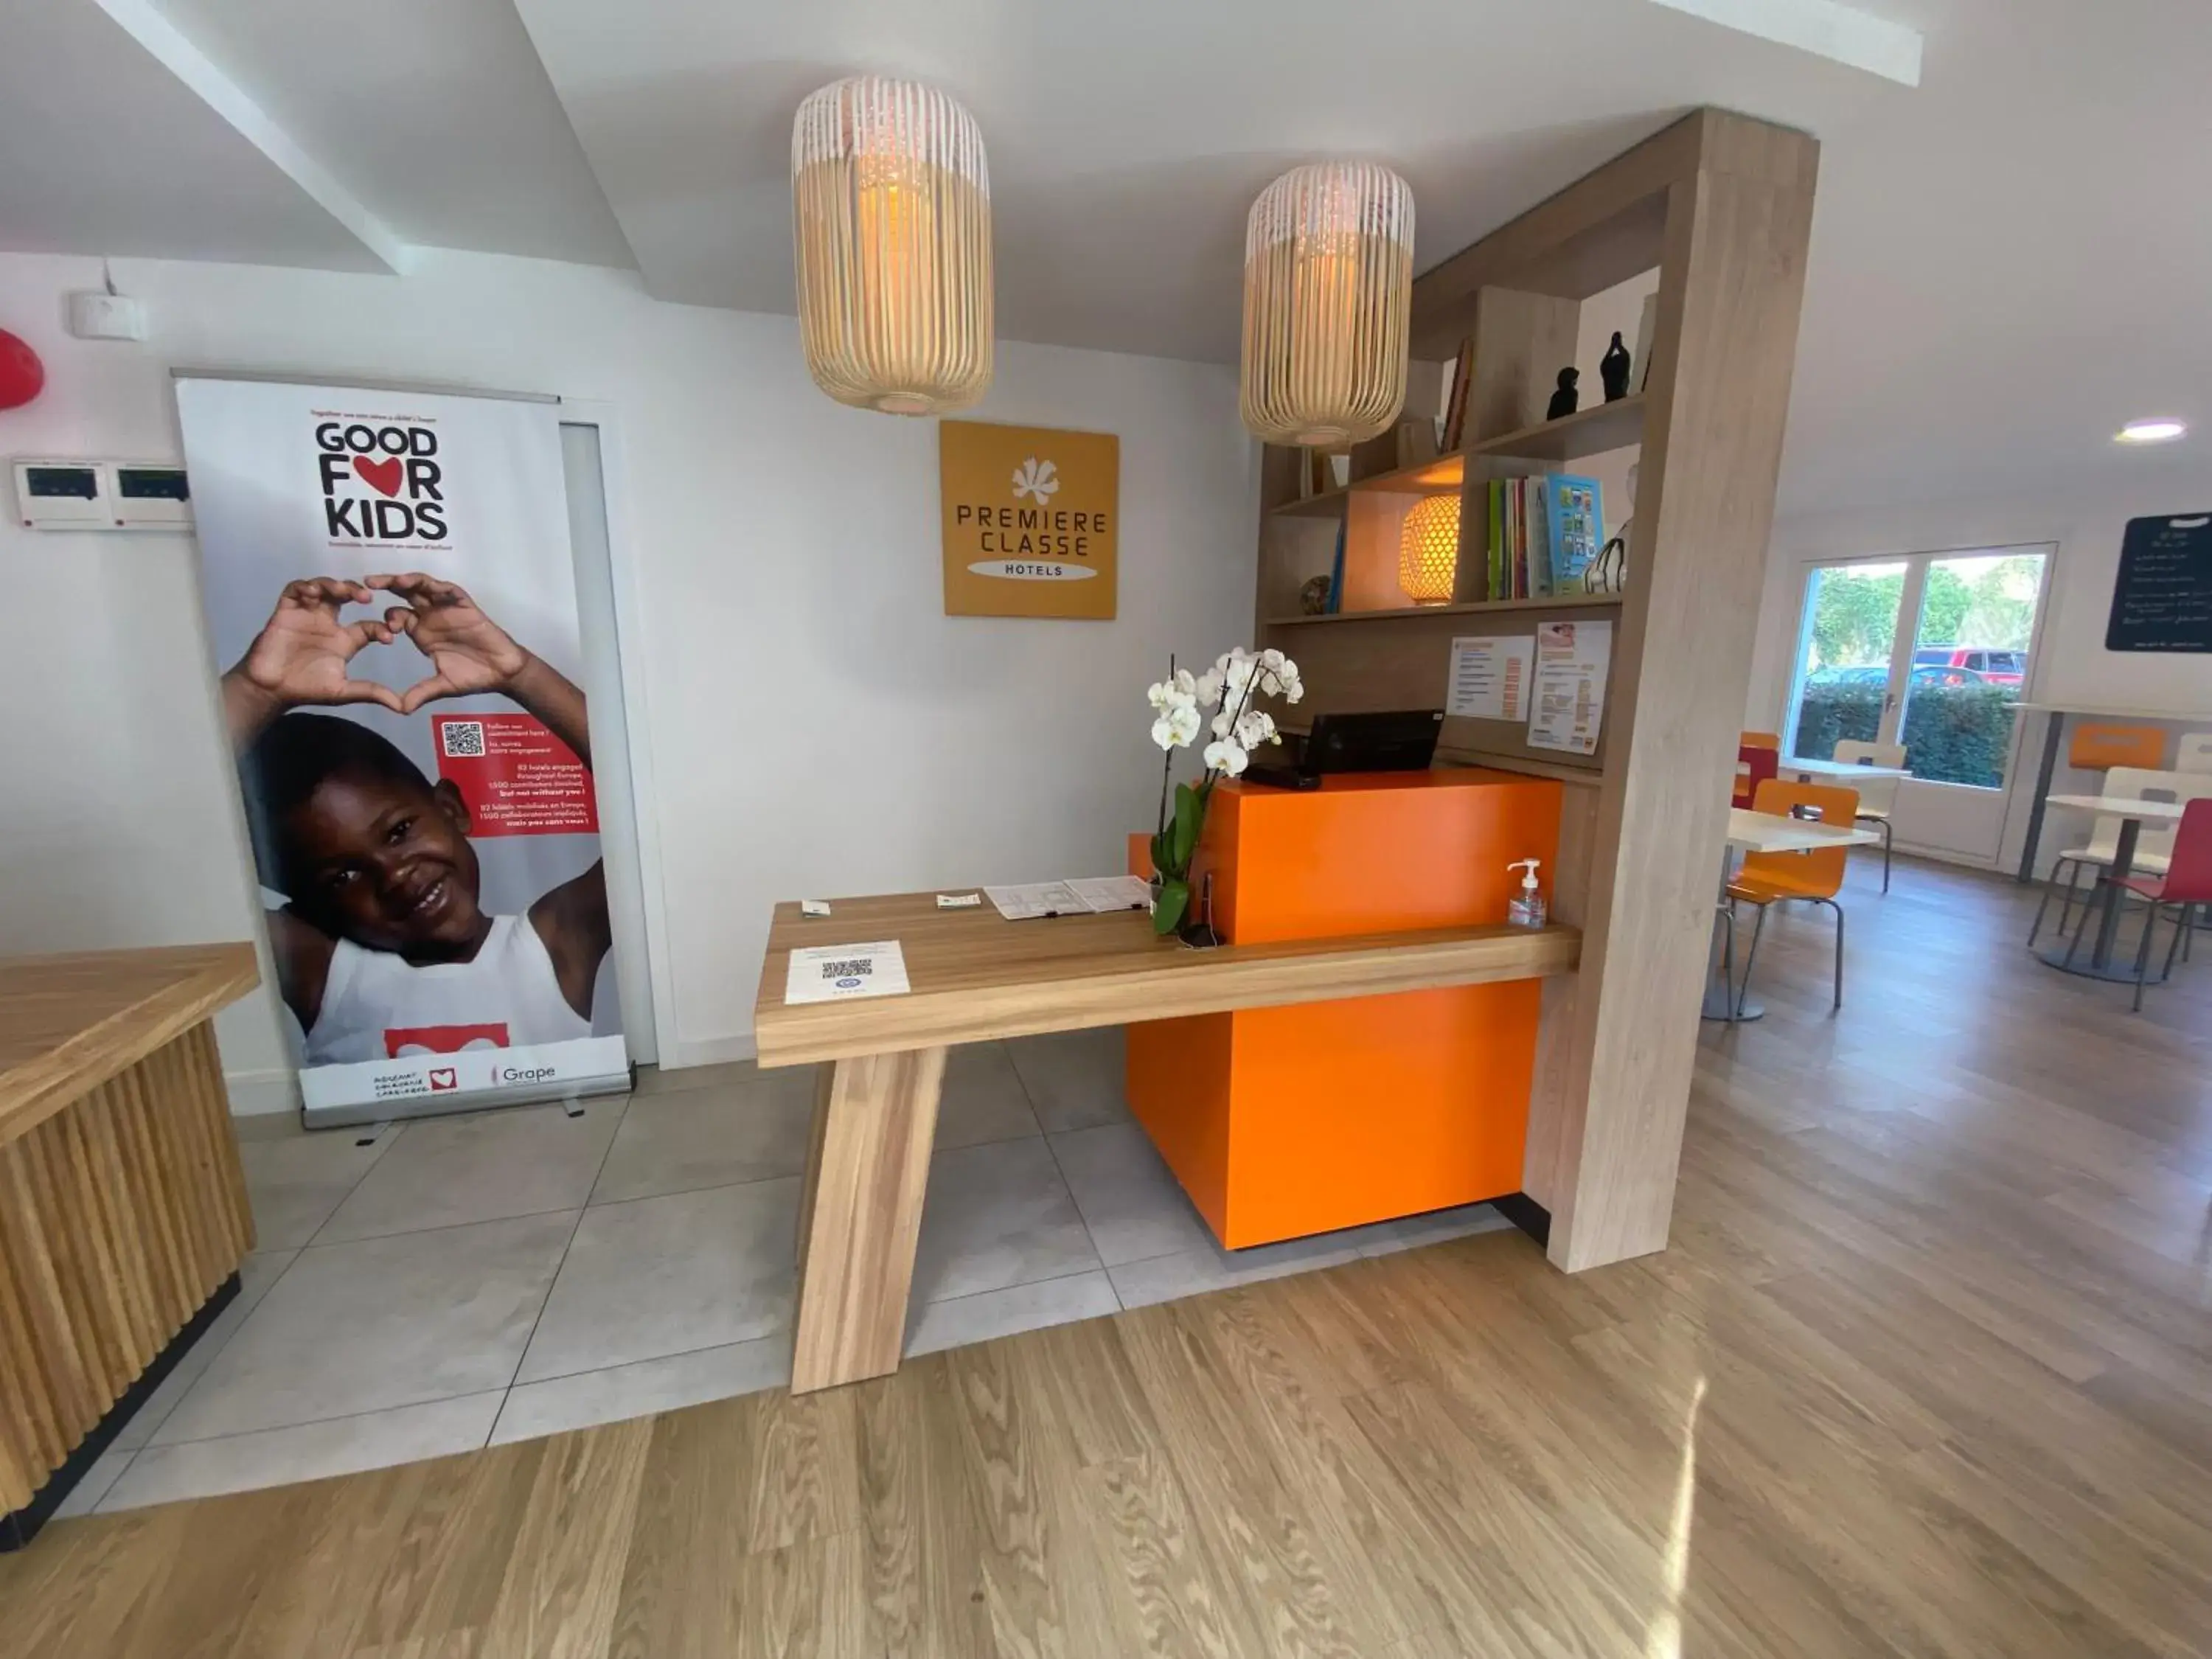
831,973
462,738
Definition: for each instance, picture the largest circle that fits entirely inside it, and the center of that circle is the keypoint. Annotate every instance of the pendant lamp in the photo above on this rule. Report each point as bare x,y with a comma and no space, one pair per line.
1428,550
891,217
1329,286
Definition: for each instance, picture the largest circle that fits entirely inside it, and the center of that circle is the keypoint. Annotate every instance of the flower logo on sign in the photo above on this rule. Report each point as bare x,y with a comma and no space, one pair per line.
1035,479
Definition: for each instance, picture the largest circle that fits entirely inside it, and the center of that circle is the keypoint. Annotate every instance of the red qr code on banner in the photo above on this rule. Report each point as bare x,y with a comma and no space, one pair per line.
462,738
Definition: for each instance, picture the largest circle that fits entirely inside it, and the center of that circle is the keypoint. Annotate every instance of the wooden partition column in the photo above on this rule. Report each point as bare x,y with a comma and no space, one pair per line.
1721,206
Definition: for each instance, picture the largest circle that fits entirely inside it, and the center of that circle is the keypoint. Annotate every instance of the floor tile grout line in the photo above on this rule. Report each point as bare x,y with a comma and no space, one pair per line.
1089,1237
445,1227
397,1129
214,1354
522,1354
651,1359
317,1422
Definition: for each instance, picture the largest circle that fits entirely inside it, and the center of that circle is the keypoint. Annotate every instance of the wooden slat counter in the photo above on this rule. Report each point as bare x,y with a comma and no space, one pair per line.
123,1207
976,977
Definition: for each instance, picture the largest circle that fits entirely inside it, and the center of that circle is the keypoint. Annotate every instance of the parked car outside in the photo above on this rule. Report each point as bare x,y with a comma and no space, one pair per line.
1997,667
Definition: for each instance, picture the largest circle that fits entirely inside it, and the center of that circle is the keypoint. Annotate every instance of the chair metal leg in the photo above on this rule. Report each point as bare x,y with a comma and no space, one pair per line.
2180,939
2142,954
1888,837
2088,914
2073,890
1838,909
1749,958
2044,909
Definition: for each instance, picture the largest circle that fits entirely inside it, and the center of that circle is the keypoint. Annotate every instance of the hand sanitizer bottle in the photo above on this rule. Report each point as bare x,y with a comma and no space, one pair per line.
1526,907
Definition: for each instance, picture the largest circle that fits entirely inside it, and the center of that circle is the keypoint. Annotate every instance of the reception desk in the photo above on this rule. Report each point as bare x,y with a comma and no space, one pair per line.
976,977
123,1209
1281,1122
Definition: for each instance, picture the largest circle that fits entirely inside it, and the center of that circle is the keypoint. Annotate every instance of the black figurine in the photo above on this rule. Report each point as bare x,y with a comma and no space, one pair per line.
1613,367
1564,400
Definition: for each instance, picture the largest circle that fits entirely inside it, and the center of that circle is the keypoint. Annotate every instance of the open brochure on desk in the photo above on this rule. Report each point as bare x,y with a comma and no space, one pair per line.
1085,896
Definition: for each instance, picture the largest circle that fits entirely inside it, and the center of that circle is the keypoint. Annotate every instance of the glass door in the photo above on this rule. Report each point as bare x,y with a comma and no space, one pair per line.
1931,653
1969,662
1848,656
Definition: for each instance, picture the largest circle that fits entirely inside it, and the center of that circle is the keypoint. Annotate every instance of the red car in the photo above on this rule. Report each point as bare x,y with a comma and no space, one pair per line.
1997,667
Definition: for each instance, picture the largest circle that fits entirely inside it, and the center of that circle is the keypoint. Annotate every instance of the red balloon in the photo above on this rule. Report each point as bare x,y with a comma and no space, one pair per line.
21,374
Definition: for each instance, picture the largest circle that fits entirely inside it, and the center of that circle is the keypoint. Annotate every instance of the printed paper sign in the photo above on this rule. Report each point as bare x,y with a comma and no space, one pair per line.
833,973
1572,660
1490,678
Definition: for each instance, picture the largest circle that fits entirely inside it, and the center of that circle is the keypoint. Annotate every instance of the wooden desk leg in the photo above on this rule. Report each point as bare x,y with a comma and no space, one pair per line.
875,1121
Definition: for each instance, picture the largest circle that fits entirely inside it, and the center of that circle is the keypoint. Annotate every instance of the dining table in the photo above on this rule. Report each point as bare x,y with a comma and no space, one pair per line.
1762,832
2132,814
1835,771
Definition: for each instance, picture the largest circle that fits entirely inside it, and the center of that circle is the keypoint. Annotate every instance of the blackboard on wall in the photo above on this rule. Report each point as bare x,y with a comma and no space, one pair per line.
2162,597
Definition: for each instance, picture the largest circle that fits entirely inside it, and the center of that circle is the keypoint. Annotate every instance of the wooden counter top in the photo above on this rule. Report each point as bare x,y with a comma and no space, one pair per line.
69,1022
976,976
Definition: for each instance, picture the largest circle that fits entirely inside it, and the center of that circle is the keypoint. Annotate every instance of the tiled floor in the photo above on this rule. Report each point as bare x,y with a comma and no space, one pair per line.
428,1288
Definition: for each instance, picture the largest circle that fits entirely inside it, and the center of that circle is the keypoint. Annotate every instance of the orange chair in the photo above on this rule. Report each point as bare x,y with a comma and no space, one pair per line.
1762,740
2100,748
1754,765
1770,877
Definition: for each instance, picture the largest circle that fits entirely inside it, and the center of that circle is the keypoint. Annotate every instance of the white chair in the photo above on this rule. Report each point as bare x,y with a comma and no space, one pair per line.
2196,754
2154,842
1877,796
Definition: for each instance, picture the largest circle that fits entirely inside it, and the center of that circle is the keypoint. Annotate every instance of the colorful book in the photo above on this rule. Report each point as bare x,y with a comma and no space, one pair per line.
1576,523
1540,539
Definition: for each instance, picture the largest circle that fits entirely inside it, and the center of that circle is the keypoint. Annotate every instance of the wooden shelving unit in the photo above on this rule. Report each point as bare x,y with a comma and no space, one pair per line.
1473,608
1720,206
1429,478
1586,432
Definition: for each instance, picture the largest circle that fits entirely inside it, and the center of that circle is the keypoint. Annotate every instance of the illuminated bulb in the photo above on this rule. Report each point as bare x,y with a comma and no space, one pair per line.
1428,550
2160,430
891,221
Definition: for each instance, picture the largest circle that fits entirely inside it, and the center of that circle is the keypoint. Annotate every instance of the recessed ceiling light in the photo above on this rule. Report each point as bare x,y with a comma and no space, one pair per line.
2160,430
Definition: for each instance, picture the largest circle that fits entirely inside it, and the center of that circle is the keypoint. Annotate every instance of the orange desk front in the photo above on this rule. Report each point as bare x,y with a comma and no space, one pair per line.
1282,1122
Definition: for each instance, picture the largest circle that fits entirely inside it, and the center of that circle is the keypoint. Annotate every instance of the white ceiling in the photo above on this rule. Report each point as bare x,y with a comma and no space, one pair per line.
436,114
108,152
2008,261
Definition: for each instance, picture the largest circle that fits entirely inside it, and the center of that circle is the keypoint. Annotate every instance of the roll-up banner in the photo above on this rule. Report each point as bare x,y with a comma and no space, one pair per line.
391,595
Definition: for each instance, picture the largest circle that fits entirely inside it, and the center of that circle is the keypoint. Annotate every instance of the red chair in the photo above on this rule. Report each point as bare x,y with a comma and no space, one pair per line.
2186,884
1754,765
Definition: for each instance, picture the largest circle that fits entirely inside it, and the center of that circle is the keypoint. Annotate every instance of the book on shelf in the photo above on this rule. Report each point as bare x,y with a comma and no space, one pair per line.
1576,530
1456,405
1544,533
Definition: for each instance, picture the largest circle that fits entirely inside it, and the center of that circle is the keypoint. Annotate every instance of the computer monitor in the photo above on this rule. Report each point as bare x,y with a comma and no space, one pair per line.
1399,740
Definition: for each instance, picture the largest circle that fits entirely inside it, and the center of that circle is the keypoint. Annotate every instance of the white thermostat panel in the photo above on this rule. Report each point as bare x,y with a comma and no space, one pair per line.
58,495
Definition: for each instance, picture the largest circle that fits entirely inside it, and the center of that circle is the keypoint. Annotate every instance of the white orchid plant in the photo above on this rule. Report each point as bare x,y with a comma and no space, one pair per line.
1236,679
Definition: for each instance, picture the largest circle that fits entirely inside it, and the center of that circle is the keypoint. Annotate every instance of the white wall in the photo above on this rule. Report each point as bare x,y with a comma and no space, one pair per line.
814,724
2084,526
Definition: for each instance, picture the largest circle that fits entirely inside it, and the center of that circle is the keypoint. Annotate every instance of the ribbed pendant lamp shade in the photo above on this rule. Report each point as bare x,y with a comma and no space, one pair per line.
1328,284
892,221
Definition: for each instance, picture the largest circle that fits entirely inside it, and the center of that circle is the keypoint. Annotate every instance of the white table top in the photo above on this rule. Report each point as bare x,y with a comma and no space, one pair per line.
2120,806
1829,769
1769,832
2101,711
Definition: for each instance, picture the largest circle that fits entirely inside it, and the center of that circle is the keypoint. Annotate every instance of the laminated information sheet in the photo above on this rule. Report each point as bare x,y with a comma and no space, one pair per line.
832,973
1085,896
1571,659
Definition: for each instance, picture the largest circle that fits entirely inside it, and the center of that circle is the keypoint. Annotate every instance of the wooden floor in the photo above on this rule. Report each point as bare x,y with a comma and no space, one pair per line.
1927,1371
